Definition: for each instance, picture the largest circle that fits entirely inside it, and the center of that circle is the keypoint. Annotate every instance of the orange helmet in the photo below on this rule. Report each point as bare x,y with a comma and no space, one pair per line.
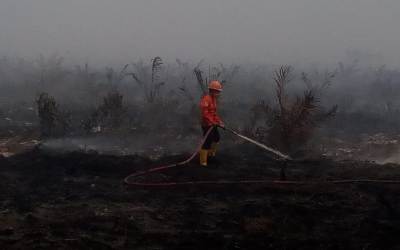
215,85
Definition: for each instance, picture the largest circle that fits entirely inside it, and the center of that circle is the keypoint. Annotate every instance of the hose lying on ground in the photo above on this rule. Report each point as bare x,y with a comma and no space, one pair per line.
128,180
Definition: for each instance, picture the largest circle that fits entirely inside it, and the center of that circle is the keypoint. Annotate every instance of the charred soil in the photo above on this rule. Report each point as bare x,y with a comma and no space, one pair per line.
78,201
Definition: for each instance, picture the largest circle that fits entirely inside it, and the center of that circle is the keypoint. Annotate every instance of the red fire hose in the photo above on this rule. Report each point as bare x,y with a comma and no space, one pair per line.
129,180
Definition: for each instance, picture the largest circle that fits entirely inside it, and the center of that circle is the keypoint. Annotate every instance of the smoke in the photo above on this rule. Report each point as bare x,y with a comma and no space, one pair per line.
80,51
143,145
281,32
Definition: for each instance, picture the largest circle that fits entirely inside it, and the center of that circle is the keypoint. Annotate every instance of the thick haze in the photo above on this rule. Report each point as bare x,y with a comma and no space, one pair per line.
274,31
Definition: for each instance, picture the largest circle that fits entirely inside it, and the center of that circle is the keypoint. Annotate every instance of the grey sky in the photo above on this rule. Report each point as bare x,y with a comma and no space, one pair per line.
281,31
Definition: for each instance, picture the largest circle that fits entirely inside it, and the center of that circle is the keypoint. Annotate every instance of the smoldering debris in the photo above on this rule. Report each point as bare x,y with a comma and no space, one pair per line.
380,148
16,145
142,145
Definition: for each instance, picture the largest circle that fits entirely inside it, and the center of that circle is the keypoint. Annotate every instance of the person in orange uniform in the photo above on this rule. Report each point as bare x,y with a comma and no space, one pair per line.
210,119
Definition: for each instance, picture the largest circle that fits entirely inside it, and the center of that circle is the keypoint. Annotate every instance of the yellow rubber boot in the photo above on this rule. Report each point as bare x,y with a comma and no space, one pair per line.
213,150
203,157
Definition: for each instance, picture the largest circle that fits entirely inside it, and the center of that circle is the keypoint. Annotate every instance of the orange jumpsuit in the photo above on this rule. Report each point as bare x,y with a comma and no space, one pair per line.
209,118
208,107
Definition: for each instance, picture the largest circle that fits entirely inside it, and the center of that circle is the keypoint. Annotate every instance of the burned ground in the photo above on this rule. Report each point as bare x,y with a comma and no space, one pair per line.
62,164
78,201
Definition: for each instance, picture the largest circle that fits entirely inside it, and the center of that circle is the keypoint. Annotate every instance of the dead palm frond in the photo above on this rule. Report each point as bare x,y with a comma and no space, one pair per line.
152,87
155,69
201,83
281,79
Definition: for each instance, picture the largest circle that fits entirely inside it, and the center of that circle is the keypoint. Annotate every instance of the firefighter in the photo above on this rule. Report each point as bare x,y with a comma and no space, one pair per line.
210,119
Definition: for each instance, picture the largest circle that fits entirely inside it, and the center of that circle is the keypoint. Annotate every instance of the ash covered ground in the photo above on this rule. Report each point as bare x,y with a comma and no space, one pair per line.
77,200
